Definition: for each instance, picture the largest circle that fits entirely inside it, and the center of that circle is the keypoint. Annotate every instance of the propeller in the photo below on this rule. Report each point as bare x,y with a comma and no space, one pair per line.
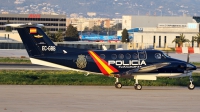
188,57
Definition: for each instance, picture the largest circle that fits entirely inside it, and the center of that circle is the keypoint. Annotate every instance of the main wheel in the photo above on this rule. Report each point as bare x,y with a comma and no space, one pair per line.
118,85
138,86
191,86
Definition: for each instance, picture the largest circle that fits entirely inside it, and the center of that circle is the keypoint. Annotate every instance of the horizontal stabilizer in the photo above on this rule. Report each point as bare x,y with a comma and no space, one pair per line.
20,25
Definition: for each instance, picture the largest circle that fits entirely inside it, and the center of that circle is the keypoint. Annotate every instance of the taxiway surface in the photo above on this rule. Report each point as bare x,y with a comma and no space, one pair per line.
35,98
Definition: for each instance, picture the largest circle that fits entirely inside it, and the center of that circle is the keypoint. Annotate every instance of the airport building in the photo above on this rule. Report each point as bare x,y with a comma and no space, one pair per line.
161,30
51,22
82,23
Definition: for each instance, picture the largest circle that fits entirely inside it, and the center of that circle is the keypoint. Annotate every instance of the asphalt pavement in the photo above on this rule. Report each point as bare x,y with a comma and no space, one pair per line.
40,98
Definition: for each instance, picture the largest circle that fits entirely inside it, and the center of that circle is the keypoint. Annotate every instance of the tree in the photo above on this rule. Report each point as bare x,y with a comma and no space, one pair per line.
125,36
50,35
116,27
72,32
58,37
87,29
197,39
8,28
44,29
180,40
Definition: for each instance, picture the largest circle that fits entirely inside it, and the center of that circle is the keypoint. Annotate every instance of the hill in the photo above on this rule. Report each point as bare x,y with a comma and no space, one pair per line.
104,8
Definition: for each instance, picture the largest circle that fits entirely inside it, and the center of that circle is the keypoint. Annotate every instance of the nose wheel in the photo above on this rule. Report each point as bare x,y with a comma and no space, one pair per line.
138,86
191,86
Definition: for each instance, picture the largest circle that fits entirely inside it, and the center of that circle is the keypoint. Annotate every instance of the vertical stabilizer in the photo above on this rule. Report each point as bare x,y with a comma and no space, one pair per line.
36,41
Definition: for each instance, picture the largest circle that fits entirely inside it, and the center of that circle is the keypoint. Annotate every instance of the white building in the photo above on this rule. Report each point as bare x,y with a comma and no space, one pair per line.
147,28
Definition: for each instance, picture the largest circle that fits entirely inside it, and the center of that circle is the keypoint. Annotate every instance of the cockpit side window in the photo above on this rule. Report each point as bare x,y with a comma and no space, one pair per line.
158,55
165,55
142,55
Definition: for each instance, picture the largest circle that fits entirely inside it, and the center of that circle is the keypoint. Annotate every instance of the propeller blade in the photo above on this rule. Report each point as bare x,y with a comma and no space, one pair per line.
188,58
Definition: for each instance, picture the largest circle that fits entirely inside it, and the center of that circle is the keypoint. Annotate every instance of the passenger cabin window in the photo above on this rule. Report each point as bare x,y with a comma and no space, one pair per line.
114,56
158,56
142,55
121,56
102,56
128,56
135,56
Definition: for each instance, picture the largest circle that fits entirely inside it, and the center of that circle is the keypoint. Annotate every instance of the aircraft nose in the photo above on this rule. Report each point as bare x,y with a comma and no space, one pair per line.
191,66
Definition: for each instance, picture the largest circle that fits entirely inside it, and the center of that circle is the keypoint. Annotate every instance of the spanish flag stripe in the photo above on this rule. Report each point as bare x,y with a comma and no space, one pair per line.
99,65
110,66
103,70
33,30
102,63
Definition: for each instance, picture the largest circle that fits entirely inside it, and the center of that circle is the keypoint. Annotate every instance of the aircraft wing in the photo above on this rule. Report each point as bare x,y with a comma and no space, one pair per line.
142,69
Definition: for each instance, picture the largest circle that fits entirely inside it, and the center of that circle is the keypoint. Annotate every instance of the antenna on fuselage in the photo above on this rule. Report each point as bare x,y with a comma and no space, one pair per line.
104,47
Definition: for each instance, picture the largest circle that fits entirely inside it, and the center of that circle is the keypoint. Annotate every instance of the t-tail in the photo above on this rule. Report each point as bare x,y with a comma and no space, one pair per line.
36,42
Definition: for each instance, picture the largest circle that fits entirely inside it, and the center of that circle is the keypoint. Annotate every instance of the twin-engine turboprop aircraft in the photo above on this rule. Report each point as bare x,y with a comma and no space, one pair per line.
137,64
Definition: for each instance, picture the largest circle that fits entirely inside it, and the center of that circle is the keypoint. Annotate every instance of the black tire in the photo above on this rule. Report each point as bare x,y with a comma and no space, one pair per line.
138,87
118,85
191,86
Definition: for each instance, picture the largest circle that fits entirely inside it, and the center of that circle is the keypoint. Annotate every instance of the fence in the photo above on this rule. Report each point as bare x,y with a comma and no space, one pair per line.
11,45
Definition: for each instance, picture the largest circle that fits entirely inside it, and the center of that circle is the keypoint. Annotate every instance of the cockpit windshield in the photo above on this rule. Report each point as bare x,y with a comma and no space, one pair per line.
165,54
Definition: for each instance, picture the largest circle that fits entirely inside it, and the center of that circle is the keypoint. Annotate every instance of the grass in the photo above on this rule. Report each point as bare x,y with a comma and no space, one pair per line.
196,64
11,60
29,77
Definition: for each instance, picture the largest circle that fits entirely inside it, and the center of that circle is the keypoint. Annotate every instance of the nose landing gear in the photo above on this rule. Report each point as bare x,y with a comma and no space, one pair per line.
137,85
191,86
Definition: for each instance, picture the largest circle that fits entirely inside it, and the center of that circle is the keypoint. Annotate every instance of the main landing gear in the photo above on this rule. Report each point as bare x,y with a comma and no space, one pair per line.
119,84
191,86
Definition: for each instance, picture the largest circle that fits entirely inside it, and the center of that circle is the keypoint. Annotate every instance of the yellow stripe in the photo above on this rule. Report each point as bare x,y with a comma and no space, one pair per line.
103,64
